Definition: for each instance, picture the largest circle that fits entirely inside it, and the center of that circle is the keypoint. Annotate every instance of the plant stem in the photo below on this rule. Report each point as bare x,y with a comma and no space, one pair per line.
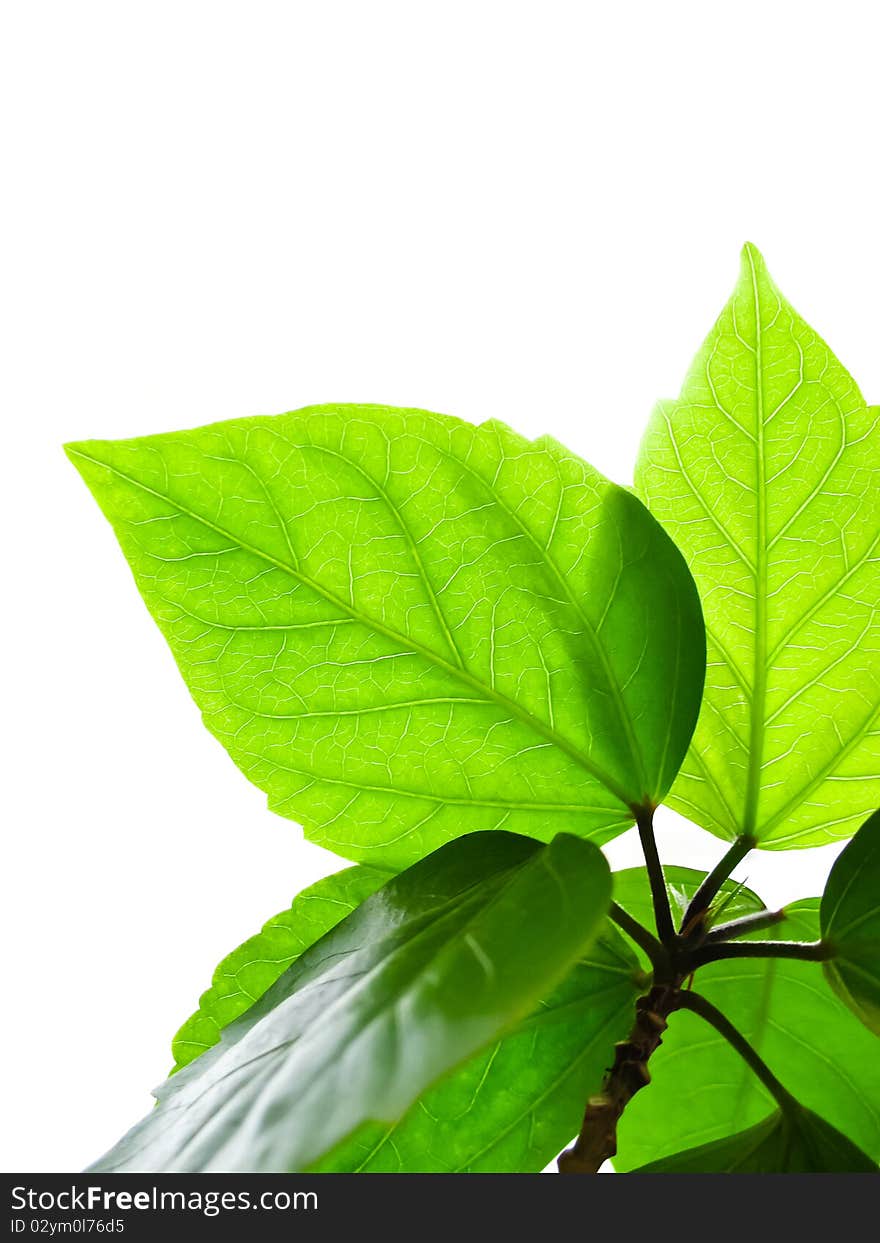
629,1073
747,923
662,913
705,1009
646,940
716,878
809,951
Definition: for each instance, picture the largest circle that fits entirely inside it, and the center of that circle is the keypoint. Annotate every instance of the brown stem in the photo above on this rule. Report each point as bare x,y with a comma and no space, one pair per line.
597,1141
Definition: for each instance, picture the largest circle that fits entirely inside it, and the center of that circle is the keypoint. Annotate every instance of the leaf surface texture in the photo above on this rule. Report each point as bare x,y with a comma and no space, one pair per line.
765,473
403,627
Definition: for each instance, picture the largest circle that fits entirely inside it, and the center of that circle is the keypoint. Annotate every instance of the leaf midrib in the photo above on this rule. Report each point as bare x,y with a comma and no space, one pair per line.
463,675
759,680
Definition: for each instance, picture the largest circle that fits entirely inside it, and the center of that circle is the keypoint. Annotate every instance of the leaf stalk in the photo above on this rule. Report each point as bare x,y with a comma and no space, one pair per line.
712,1015
660,897
755,922
808,951
656,951
701,900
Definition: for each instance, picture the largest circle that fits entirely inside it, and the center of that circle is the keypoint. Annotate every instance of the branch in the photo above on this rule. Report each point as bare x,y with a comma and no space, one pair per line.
716,878
747,923
662,913
597,1141
642,937
809,951
705,1009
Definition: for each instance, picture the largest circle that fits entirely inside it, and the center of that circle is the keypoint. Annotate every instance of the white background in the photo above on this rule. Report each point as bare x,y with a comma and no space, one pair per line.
529,212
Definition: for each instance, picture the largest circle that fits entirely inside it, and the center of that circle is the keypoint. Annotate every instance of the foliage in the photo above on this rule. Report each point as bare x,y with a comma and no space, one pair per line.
463,660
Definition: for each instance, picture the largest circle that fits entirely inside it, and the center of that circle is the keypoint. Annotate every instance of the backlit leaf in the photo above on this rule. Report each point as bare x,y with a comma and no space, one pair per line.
403,627
765,472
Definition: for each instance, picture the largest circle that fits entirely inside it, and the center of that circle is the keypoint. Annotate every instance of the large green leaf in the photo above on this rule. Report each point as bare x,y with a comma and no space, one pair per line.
403,627
435,965
765,472
702,1091
850,919
512,1108
795,1141
244,975
509,1109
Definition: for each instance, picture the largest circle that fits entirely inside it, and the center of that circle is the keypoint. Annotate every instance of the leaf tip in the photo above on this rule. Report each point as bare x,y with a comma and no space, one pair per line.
752,261
74,449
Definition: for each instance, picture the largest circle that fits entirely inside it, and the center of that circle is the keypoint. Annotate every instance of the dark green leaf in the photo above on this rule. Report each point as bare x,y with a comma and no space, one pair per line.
245,974
516,1105
850,918
439,962
511,1108
795,1141
701,1090
404,628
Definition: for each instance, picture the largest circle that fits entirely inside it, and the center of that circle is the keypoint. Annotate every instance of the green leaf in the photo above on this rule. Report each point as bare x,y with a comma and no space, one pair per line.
796,1141
245,974
516,1105
765,473
850,920
702,1091
404,628
511,1108
435,965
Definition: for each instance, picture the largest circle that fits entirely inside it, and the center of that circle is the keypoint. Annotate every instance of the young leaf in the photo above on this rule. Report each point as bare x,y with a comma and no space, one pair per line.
245,974
794,1141
404,628
512,1108
850,919
701,1090
439,962
765,472
632,891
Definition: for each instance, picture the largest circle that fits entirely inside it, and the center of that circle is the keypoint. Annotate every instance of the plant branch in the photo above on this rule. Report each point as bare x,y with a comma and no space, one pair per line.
662,913
724,1027
716,878
809,951
639,933
629,1073
747,923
